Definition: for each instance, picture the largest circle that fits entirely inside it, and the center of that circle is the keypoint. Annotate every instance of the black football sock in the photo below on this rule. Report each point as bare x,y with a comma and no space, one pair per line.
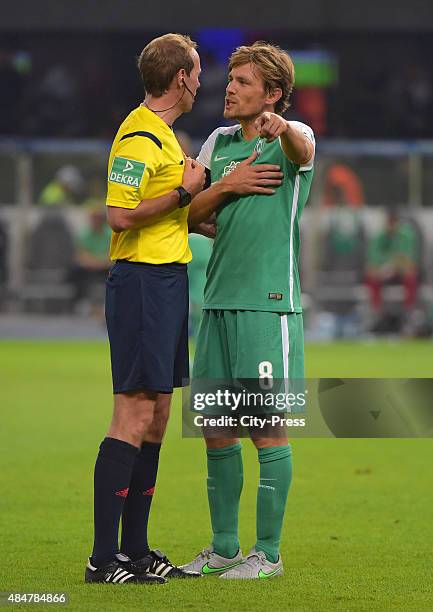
113,470
135,515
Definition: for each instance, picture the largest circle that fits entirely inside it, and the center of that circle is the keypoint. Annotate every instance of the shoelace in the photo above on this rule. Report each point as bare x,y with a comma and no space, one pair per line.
255,559
205,553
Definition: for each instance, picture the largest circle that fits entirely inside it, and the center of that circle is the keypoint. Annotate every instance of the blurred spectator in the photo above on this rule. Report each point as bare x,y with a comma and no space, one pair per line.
201,248
342,184
92,261
96,188
94,241
393,258
343,249
410,100
46,93
56,108
345,237
65,188
341,268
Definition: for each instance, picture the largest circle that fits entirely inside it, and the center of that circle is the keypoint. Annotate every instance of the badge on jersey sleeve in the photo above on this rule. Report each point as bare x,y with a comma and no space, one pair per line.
127,172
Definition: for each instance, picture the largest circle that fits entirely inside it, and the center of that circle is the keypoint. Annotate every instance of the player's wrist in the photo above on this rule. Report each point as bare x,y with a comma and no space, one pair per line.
224,187
288,131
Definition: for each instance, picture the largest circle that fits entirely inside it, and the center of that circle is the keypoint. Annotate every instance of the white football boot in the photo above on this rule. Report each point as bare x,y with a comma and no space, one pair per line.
255,565
208,563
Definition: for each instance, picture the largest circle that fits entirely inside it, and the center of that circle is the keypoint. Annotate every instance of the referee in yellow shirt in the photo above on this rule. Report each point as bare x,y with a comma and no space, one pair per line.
150,186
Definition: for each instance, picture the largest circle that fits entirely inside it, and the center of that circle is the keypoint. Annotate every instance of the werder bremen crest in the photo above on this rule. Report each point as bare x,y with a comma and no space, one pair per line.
230,167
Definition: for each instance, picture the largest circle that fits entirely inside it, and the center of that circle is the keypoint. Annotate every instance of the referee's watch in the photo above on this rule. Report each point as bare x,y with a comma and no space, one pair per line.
184,197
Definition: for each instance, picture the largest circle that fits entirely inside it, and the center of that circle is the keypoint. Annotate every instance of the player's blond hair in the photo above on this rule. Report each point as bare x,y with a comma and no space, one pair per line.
274,65
162,58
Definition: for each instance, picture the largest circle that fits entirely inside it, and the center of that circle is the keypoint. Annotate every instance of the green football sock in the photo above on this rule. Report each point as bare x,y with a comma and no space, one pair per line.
275,478
224,486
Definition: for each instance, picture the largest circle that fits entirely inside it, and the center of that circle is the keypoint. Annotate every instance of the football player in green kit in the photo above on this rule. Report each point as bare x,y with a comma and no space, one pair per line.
260,171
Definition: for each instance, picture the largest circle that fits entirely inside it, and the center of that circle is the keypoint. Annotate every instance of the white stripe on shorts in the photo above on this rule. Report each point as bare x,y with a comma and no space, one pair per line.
286,350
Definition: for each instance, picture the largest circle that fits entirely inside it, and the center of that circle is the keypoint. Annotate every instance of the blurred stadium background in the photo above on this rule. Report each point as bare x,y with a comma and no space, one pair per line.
364,83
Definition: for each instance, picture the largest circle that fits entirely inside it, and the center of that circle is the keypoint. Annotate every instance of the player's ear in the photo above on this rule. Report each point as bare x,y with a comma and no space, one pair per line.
274,95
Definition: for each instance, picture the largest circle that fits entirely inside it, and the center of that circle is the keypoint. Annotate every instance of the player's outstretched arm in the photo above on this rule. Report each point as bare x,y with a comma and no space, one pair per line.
151,210
247,178
296,145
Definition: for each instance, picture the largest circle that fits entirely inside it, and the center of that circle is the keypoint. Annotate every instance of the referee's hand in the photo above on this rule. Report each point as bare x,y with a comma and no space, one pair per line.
193,176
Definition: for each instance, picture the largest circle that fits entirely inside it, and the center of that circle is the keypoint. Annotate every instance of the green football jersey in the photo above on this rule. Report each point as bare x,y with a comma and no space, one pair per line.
254,261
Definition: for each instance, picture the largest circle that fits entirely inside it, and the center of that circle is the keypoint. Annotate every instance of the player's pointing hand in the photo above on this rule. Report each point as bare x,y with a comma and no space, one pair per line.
270,126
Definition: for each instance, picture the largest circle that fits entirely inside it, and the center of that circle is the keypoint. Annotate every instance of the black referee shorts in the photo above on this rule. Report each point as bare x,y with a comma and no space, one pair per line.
146,310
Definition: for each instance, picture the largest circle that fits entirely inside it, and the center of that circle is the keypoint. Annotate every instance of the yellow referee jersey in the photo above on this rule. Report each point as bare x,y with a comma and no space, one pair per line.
146,162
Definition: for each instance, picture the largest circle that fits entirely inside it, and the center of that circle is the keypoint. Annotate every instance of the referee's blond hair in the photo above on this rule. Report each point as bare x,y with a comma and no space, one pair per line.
162,58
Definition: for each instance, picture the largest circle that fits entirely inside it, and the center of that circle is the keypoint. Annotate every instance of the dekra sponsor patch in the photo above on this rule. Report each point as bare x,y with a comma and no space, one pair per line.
126,172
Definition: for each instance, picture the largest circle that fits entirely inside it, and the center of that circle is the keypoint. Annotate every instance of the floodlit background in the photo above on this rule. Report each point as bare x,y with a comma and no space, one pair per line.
366,259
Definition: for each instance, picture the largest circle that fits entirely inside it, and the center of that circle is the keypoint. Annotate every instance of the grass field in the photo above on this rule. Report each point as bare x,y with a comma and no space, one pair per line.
358,528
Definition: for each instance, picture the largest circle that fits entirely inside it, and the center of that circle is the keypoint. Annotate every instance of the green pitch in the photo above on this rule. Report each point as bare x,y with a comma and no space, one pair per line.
358,526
